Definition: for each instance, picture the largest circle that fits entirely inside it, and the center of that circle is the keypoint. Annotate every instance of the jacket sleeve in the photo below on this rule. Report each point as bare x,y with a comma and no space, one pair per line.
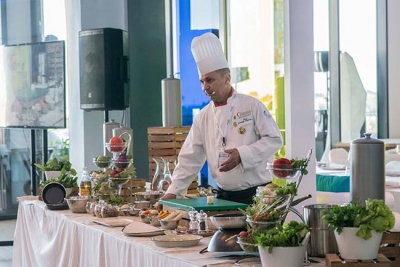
269,138
190,160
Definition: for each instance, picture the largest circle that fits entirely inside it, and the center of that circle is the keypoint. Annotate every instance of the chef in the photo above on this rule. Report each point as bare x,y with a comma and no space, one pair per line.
234,132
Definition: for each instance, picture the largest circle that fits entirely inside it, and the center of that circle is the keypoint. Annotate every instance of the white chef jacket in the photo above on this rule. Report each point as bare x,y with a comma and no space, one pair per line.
256,145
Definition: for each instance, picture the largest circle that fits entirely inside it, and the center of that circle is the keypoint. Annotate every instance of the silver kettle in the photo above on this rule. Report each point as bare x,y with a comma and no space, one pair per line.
367,169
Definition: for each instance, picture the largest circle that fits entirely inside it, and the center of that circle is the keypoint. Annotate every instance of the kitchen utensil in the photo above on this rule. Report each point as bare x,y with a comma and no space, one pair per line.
54,193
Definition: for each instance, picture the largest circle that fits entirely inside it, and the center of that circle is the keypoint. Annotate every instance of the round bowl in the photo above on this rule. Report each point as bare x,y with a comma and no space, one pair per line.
169,225
228,221
246,245
122,164
282,171
154,220
118,180
116,147
134,212
271,199
261,225
102,163
144,218
77,204
142,204
151,196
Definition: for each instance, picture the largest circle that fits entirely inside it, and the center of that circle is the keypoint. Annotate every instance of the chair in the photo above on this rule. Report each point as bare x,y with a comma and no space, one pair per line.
339,156
391,155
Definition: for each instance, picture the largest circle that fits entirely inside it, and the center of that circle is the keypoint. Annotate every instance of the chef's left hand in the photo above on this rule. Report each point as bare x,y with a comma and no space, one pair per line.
232,161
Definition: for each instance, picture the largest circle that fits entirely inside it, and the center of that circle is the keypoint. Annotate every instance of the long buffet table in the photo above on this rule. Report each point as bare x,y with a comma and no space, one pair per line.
64,239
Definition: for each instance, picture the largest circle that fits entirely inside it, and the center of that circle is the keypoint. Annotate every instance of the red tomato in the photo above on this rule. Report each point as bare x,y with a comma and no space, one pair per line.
280,165
117,144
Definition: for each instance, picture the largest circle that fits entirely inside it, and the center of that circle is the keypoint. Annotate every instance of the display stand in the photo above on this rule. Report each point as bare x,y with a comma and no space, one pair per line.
333,260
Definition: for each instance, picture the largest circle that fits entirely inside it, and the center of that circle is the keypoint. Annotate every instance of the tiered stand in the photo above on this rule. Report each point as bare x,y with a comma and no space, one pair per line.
115,181
294,174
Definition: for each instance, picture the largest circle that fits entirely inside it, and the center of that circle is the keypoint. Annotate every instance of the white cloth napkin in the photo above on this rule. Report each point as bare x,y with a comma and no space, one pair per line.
140,228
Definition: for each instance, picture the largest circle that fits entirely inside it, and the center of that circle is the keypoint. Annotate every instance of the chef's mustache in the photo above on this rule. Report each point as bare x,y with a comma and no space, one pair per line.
209,94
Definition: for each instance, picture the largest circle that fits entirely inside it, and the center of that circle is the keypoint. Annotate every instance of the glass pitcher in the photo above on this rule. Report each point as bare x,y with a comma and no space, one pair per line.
167,177
158,174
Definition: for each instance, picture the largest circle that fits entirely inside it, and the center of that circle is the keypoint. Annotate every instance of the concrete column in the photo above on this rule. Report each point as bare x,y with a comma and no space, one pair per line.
299,89
86,127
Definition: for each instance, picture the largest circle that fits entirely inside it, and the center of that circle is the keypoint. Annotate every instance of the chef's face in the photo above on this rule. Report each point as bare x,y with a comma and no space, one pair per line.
216,85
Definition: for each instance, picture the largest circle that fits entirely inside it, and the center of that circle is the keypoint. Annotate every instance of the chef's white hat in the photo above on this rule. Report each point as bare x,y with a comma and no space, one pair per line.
208,54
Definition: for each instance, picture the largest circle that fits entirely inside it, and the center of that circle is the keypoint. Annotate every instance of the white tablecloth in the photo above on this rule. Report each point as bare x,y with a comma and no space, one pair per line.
45,238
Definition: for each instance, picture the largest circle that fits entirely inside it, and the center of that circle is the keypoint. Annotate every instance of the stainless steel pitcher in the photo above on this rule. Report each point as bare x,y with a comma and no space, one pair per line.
367,169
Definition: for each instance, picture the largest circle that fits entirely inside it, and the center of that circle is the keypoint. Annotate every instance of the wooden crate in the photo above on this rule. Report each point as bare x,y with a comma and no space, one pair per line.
333,260
390,247
129,189
165,142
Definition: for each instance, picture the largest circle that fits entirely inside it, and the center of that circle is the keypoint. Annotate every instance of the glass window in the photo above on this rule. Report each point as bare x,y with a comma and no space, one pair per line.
357,75
27,21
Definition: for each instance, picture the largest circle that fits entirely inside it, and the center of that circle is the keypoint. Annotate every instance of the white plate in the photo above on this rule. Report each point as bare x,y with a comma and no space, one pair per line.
171,241
112,222
331,166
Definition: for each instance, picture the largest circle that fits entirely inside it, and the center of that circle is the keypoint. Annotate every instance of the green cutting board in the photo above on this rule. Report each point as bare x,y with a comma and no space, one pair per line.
201,204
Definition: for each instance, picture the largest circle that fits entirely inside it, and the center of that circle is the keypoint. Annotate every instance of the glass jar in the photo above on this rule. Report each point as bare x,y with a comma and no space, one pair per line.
97,208
109,211
194,224
90,207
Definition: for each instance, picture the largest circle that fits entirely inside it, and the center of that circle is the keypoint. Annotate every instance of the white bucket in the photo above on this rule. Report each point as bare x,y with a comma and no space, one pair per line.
357,248
284,256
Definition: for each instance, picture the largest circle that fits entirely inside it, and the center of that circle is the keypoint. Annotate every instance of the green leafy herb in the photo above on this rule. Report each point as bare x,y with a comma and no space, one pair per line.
300,164
375,215
66,179
287,235
116,200
288,189
57,165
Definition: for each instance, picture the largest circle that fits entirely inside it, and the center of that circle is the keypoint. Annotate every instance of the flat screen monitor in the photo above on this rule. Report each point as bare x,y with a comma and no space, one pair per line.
32,85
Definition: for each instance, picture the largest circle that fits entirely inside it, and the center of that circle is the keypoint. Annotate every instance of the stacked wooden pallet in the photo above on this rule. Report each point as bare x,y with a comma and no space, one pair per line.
333,260
390,247
129,189
166,143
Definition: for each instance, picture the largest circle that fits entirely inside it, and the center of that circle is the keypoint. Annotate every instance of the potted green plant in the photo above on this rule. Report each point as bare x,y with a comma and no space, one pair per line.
277,243
358,228
54,166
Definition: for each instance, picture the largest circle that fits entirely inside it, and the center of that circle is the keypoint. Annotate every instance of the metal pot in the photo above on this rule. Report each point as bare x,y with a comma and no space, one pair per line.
322,239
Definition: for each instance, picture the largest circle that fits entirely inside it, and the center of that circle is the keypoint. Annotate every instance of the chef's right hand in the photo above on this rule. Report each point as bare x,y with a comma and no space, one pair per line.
159,206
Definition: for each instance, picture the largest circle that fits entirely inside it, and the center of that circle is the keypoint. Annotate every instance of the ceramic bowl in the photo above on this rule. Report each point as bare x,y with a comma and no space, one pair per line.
154,220
144,218
169,225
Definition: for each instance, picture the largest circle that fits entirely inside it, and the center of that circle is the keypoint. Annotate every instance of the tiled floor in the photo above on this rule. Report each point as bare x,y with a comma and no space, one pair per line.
7,228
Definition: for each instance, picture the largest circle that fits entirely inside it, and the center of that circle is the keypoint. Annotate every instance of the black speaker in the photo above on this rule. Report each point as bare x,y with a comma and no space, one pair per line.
103,61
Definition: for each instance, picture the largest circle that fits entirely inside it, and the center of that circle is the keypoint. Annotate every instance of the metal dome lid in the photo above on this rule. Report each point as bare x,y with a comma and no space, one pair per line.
367,140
